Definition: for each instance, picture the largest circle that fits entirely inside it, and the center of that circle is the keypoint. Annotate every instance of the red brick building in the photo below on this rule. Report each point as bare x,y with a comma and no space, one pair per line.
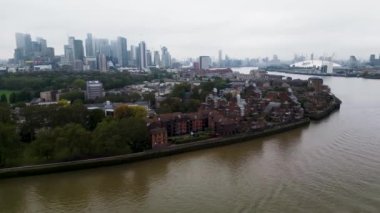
316,83
159,137
177,124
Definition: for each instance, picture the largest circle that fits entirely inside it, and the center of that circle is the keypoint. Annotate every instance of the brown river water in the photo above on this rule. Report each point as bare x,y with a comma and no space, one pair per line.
330,166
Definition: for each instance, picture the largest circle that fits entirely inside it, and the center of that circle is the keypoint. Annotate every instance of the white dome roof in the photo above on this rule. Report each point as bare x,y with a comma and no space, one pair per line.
313,63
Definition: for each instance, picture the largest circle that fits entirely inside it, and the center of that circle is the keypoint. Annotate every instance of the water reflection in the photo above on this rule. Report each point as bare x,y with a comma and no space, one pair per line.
13,196
287,142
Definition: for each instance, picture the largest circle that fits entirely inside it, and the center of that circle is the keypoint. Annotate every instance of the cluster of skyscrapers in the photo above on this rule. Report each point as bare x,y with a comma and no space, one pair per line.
32,51
92,54
103,54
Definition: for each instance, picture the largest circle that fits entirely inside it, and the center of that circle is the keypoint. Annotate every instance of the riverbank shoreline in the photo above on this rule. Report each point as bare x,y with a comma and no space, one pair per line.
373,77
314,74
151,154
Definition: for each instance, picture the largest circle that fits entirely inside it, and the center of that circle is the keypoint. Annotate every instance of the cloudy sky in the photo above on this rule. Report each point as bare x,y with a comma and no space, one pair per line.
241,28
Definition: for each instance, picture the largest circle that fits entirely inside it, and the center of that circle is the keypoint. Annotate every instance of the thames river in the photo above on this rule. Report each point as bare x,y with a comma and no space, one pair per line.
330,166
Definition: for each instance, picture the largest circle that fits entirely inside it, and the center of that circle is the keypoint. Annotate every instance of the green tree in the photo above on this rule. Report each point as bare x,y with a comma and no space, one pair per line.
164,108
5,113
95,117
191,106
76,113
70,142
196,93
150,97
73,95
136,130
23,96
3,99
12,98
207,87
170,105
79,84
221,83
10,147
37,117
133,97
180,90
43,147
110,139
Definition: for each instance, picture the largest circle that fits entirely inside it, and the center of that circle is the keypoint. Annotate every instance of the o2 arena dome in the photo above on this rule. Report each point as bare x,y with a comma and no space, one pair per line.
314,64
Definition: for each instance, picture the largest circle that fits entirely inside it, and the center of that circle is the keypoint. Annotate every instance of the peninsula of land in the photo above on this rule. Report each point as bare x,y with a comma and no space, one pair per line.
169,114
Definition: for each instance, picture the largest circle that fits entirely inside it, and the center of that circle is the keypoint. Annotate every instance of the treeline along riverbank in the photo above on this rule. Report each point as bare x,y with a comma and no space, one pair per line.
129,158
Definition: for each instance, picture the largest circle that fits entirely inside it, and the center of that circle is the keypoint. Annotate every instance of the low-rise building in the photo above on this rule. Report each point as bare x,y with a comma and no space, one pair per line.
49,96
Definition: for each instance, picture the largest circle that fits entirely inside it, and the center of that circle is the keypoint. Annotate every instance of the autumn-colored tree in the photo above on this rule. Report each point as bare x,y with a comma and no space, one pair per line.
126,111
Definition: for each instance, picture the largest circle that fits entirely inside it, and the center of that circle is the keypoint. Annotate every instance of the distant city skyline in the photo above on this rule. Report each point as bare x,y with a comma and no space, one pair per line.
240,28
214,55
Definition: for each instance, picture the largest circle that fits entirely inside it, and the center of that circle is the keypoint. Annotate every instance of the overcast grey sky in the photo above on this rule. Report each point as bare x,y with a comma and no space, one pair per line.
241,28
